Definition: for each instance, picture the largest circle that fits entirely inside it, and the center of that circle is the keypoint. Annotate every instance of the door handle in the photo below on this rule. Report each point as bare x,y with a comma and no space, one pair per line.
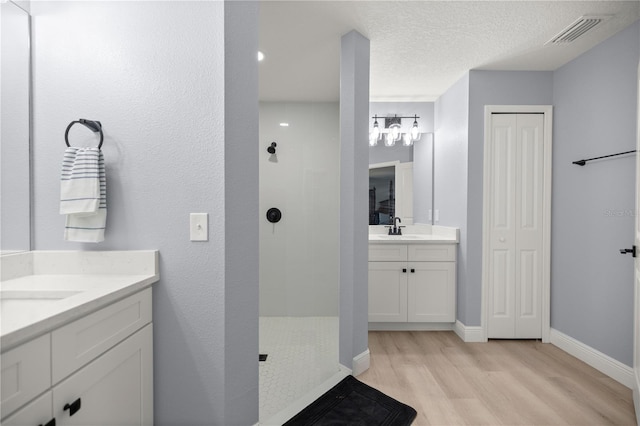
627,251
73,408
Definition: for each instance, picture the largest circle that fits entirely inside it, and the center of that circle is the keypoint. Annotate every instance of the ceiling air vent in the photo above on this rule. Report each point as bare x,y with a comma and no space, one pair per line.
577,29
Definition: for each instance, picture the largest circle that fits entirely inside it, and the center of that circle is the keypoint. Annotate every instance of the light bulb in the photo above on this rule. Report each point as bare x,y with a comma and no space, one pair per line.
415,134
376,131
373,140
389,140
394,131
407,139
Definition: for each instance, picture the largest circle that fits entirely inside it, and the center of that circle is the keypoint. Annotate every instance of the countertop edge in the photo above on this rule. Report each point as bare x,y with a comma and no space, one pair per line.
48,324
425,241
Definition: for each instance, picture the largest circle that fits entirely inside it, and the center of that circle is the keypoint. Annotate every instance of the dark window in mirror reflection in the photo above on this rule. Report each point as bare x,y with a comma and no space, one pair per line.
382,200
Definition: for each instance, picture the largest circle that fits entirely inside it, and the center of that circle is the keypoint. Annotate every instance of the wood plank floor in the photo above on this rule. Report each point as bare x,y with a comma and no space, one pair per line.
502,382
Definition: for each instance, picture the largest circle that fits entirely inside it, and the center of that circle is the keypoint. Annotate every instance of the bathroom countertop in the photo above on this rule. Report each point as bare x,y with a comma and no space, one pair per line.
415,234
38,297
412,239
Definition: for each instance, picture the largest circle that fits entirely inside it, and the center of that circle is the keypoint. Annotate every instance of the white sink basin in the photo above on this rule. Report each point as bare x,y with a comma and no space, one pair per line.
20,302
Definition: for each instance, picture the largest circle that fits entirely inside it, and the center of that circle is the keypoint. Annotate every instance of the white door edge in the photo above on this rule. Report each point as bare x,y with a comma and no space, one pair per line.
547,110
636,272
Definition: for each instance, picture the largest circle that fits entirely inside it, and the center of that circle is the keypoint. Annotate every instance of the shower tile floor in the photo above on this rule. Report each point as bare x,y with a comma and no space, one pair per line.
302,353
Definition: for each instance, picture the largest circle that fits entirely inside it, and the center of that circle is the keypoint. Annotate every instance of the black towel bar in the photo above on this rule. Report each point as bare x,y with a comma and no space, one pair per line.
584,162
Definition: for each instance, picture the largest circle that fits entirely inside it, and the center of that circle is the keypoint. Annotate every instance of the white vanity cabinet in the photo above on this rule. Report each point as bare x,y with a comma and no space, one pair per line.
98,370
412,283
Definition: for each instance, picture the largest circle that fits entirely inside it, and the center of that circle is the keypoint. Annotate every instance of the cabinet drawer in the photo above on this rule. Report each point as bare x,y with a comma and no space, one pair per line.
81,341
387,252
432,252
37,412
26,372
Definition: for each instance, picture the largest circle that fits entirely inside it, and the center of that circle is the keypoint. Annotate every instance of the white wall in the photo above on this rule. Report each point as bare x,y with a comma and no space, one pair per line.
157,75
299,255
594,206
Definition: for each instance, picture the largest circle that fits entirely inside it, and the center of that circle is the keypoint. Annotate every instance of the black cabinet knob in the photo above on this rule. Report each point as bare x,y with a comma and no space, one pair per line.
73,408
404,270
413,271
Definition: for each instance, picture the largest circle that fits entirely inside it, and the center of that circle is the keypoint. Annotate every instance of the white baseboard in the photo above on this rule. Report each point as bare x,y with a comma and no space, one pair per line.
601,362
468,334
361,363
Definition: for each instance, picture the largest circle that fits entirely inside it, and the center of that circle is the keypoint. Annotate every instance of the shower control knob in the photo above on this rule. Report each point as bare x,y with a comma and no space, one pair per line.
274,215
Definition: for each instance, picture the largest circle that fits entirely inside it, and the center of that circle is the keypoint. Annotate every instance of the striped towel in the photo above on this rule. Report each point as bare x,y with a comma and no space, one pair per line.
83,193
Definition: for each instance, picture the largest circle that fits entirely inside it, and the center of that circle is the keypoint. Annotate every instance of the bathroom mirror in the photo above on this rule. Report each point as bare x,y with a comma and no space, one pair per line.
413,194
382,200
15,93
391,193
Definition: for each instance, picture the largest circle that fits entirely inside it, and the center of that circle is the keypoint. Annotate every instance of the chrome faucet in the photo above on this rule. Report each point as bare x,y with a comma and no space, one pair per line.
395,230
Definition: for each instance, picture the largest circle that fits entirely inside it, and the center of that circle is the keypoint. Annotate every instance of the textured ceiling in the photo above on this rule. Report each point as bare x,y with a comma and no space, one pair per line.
419,48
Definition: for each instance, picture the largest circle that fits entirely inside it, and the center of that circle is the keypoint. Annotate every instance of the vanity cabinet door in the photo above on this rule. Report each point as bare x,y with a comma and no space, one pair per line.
25,373
37,412
387,291
115,389
431,292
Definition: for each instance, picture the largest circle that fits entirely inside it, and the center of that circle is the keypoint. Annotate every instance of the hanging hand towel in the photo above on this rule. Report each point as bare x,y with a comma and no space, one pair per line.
80,181
83,195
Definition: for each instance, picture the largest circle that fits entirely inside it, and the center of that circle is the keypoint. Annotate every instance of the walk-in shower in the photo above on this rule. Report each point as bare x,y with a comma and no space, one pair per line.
299,252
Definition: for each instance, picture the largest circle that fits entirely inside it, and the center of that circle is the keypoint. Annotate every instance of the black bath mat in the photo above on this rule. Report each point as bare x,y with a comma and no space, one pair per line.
352,403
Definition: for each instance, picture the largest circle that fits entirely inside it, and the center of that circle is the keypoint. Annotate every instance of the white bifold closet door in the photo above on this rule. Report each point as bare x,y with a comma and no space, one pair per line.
516,226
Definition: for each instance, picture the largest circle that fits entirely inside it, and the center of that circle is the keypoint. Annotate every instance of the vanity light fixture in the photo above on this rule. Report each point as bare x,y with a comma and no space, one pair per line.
393,131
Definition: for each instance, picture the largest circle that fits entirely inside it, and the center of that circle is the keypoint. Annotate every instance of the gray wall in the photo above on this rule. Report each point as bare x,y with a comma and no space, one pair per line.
354,184
491,88
156,78
450,173
593,206
595,109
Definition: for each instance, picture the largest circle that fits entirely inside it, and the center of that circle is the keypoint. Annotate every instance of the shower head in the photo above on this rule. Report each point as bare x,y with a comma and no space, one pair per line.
272,149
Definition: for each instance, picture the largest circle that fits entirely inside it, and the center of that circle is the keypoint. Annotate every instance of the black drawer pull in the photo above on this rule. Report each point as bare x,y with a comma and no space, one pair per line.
404,270
51,422
73,407
413,271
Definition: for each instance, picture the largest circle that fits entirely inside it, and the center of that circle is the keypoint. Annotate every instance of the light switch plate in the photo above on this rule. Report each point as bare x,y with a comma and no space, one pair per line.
199,226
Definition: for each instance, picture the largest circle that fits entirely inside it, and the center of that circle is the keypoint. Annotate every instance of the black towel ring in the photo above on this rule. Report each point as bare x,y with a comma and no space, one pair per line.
94,126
